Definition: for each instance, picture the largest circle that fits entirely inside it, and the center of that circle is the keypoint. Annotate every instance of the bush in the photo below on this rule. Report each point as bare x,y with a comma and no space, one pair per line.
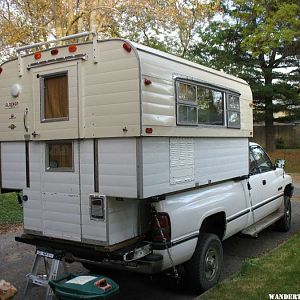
279,143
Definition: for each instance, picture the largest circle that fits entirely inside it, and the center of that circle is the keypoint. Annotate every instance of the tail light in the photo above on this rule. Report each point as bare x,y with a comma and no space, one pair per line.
161,230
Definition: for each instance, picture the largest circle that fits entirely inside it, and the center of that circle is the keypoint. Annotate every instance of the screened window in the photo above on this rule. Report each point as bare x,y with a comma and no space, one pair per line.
200,104
55,103
233,111
59,156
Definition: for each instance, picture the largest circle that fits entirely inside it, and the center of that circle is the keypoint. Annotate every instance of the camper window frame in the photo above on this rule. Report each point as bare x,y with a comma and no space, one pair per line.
226,111
47,161
42,97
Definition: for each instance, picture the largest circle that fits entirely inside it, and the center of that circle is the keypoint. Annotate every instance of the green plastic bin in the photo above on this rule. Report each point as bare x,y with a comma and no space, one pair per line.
83,287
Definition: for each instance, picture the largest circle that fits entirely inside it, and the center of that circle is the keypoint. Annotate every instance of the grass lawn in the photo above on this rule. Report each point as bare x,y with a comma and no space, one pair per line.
10,211
292,157
275,273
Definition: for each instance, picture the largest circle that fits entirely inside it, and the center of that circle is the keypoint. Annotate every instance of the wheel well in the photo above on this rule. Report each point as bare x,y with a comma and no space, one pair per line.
288,191
214,224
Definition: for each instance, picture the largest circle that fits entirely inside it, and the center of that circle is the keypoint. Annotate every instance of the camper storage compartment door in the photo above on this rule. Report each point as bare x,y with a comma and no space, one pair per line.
13,165
97,211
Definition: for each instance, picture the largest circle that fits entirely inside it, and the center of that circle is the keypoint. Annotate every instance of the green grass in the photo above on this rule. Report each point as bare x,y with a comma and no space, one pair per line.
292,157
10,211
275,273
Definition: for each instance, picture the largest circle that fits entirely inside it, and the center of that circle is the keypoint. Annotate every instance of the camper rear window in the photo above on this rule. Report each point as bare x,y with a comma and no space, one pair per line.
59,156
198,104
54,97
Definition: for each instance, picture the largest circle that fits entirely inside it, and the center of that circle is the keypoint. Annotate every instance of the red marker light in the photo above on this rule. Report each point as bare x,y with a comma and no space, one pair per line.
149,130
127,47
147,81
54,51
37,55
72,48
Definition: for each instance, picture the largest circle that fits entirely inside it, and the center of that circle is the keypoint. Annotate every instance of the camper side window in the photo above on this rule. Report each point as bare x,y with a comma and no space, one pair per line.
54,97
210,106
187,110
198,104
59,156
233,111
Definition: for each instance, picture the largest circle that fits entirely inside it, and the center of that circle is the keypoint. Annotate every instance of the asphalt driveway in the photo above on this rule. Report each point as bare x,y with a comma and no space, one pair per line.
16,260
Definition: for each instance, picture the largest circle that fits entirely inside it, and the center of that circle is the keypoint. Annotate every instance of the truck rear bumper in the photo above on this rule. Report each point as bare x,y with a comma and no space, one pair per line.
90,254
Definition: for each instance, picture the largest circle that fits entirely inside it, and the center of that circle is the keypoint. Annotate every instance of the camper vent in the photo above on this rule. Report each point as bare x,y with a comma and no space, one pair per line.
97,211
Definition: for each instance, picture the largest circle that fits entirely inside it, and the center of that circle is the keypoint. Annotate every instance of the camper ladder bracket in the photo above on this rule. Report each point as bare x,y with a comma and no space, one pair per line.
49,261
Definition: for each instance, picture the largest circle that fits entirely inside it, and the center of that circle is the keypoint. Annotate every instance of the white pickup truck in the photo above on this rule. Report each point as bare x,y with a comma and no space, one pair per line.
195,223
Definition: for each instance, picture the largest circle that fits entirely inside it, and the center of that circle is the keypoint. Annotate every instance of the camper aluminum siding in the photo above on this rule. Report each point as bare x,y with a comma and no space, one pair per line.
159,103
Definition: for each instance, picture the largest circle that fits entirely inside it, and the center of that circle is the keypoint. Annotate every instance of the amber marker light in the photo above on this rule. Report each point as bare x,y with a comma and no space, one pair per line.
72,48
127,47
37,55
54,51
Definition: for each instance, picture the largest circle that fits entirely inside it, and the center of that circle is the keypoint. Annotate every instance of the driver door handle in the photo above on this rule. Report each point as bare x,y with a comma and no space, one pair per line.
264,182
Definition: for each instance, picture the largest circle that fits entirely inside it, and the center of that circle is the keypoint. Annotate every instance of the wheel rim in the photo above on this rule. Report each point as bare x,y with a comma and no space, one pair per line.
288,213
211,263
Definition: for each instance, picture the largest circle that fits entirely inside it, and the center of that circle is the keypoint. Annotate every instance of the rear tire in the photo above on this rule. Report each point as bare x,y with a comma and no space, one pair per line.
203,270
284,224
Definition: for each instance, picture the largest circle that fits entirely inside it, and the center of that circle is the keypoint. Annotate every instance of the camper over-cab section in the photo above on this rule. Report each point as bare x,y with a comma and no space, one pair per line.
116,88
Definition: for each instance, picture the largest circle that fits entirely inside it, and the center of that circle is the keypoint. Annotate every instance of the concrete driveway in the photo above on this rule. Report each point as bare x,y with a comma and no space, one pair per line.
16,260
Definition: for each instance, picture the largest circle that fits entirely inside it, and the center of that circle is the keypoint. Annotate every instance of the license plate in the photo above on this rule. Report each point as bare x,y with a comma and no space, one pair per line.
138,253
44,254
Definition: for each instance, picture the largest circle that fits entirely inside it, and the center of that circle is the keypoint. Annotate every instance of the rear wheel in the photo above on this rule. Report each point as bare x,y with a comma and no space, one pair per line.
284,224
204,269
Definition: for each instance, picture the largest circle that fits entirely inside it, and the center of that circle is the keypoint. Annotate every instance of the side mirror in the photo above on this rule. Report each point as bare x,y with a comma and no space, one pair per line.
279,163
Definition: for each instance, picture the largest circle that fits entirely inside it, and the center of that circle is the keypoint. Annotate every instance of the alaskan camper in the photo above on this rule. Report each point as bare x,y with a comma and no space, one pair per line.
133,158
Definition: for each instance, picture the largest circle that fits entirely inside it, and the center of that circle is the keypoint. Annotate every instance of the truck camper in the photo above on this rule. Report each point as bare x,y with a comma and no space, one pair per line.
133,158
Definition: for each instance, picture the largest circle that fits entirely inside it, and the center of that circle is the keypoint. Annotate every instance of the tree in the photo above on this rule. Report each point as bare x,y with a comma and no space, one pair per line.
258,41
23,25
169,25
29,21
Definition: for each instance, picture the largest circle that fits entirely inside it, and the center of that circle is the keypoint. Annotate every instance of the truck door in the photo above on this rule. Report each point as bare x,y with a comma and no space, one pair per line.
55,131
266,183
255,182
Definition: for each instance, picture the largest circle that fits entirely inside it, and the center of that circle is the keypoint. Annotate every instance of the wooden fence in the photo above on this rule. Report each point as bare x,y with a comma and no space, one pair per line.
286,135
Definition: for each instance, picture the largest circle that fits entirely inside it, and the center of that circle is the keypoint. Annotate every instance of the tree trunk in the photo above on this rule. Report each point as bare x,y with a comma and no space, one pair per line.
269,126
269,119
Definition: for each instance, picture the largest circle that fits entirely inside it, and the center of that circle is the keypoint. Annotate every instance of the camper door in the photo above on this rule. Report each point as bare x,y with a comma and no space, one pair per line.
55,137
